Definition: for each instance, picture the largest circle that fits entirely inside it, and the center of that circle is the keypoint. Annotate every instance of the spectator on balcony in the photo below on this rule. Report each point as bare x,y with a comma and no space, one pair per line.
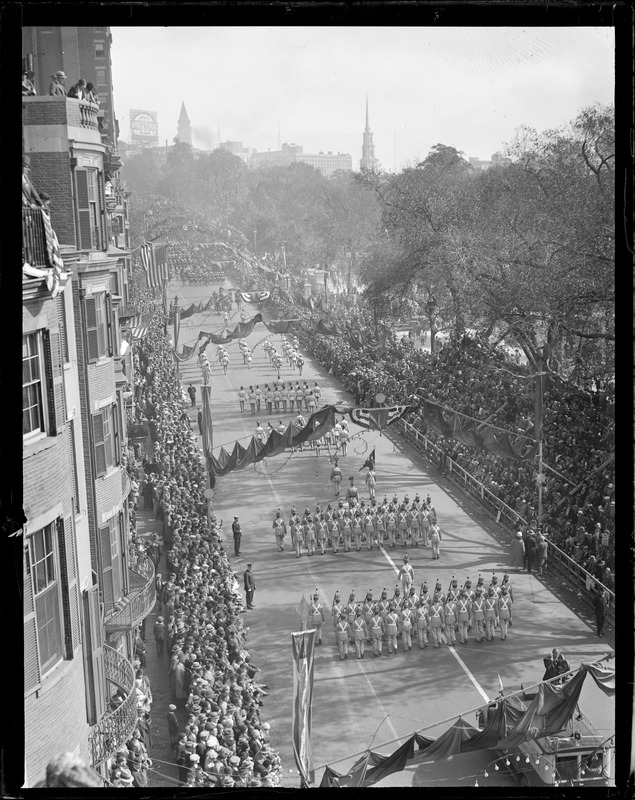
90,93
57,88
28,87
78,90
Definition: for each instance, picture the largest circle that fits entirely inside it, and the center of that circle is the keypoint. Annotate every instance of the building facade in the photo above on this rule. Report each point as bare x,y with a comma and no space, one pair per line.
326,163
86,590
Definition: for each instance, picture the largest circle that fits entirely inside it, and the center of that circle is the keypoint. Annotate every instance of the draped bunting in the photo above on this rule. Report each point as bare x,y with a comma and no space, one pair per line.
327,330
377,419
254,297
509,723
186,353
457,426
240,457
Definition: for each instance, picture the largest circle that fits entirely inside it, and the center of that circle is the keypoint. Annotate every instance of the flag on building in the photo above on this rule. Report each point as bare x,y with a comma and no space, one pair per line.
161,260
139,331
208,434
303,643
145,254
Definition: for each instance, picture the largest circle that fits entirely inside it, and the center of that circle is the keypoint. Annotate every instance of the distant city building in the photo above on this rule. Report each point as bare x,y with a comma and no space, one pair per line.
478,163
368,160
237,149
326,163
184,130
496,160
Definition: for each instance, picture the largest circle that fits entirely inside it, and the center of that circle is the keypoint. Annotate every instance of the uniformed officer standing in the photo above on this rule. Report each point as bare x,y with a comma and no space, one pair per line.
405,625
360,632
421,622
478,614
377,629
450,612
371,481
463,607
342,635
316,611
504,610
406,575
437,620
392,627
279,530
336,476
491,611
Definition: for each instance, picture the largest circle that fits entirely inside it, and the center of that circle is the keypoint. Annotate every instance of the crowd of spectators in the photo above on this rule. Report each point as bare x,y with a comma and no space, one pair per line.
482,382
224,742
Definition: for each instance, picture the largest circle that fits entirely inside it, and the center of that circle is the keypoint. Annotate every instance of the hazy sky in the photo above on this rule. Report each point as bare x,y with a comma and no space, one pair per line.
466,87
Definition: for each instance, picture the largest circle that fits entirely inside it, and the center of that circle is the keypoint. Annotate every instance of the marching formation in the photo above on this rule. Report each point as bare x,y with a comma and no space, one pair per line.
438,617
355,523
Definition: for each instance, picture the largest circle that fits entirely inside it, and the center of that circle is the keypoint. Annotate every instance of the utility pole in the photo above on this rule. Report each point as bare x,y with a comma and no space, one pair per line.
538,415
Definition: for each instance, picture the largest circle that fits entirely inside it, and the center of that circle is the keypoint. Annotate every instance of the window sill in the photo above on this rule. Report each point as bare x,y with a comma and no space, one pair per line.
109,473
37,445
52,677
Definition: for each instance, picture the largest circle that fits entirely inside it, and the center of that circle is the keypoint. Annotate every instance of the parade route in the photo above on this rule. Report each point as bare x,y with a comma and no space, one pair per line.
372,700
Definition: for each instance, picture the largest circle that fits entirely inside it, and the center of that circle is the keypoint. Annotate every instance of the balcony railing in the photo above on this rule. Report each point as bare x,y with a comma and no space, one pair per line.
125,483
88,115
136,606
116,727
33,237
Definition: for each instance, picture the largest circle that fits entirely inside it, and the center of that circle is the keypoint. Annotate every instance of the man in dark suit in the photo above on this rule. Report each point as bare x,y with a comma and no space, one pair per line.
250,586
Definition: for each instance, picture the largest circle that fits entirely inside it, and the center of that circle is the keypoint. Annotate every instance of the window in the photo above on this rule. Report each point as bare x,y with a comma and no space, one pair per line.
89,208
96,326
33,391
99,50
102,435
111,562
100,76
42,565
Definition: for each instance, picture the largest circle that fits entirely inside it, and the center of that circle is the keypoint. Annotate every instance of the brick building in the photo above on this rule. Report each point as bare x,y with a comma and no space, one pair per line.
85,591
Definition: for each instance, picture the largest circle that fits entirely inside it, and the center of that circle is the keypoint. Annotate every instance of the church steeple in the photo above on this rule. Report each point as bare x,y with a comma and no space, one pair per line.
368,160
184,130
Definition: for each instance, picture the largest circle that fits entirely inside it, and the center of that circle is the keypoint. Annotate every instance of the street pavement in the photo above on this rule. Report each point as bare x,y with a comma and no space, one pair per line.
372,701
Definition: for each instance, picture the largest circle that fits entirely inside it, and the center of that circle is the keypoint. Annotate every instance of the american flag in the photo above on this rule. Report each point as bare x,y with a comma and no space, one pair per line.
139,331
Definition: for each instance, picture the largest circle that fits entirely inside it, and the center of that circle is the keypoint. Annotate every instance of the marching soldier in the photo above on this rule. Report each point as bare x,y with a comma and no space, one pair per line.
450,612
463,607
504,610
316,611
380,523
491,612
345,530
406,575
508,585
453,590
424,520
402,525
437,621
438,592
391,524
352,494
368,524
435,540
309,534
411,600
333,528
421,623
416,503
367,610
377,629
478,614
322,533
296,532
414,524
392,627
383,607
425,595
356,525
371,481
405,625
360,632
494,585
351,613
336,477
480,583
342,634
337,607
279,530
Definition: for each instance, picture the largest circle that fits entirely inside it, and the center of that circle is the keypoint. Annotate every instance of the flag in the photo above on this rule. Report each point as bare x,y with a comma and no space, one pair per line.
208,434
177,325
370,462
303,643
139,331
146,255
161,260
376,419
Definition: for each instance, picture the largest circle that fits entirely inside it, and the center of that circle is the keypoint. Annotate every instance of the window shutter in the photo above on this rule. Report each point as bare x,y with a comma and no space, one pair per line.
115,419
31,649
100,445
90,306
70,595
123,546
108,443
101,212
48,375
106,567
109,323
93,637
58,382
83,210
61,318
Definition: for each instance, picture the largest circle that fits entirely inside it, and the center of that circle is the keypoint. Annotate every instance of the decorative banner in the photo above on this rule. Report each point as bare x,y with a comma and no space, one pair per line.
254,297
186,353
303,644
177,325
377,419
208,434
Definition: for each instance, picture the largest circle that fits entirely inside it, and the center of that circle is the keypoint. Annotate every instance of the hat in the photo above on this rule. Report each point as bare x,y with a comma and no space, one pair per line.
171,707
195,757
60,74
236,516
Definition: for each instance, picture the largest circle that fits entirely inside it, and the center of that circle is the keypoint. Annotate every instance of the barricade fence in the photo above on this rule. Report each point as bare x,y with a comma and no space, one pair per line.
505,516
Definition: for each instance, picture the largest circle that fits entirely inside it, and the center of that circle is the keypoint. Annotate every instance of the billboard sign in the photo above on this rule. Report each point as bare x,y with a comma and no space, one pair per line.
144,128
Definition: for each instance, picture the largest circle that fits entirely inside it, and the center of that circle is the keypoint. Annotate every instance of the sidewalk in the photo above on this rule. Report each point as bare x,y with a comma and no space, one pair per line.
156,667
